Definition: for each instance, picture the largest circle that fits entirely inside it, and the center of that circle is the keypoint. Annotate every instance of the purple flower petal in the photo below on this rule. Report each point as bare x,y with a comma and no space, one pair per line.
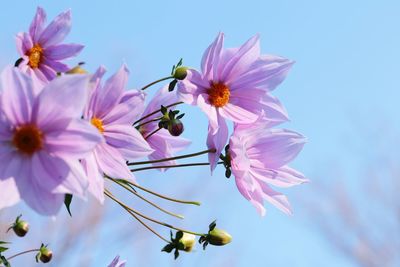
17,96
111,162
211,57
95,176
24,44
37,25
63,51
279,200
9,193
239,114
57,30
217,138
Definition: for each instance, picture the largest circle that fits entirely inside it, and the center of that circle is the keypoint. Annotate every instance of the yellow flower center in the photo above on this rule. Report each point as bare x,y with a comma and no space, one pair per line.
28,139
218,94
98,124
35,55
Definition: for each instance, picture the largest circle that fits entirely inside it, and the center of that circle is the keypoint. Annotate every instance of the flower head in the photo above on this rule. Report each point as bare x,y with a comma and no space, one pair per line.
259,158
234,84
117,263
41,139
164,144
41,48
112,112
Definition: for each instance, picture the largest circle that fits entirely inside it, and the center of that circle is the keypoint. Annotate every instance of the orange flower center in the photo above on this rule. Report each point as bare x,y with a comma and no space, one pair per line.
218,94
98,124
28,139
35,56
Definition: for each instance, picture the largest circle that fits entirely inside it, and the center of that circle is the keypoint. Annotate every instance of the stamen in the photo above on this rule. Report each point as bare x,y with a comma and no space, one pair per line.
35,56
98,124
28,139
218,94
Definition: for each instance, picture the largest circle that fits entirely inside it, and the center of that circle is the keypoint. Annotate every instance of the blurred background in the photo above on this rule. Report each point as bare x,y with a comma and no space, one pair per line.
342,93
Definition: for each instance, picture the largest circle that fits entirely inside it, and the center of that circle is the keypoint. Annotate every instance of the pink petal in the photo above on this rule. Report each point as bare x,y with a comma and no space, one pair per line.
282,177
9,193
63,51
37,25
24,44
128,110
57,30
239,114
111,162
277,199
17,96
191,87
211,56
95,177
217,138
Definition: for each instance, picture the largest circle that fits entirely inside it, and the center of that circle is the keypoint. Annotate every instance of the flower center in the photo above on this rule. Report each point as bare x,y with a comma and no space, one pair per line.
35,56
98,124
218,94
28,139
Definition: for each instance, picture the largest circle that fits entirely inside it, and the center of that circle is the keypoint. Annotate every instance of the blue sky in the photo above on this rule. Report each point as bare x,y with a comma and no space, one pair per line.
345,78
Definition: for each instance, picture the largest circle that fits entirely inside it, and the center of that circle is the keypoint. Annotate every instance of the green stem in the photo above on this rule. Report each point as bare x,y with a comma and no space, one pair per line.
170,166
212,150
149,218
147,122
107,193
155,112
122,184
157,194
157,81
22,253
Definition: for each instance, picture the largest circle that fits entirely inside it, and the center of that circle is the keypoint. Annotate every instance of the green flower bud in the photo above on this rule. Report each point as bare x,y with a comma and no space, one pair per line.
44,255
175,127
180,73
188,242
20,228
77,70
218,237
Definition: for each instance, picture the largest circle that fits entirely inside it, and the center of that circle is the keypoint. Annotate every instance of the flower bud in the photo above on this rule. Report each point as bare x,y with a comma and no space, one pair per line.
77,70
175,127
20,228
180,73
188,241
45,255
218,237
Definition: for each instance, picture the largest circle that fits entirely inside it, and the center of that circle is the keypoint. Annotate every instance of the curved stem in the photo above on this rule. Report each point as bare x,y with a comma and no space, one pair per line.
157,81
153,132
146,200
212,150
155,112
22,253
170,166
147,122
107,193
149,218
157,194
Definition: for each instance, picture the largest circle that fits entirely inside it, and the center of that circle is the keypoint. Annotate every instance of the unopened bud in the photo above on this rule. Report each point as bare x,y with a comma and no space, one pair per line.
188,242
44,255
218,237
175,127
77,70
21,228
180,73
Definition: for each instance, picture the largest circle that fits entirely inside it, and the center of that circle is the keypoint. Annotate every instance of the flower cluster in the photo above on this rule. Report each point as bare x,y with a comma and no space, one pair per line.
64,132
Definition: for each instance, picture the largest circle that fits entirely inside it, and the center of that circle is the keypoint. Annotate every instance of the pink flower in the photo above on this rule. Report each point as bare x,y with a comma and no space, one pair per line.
259,158
117,263
112,111
164,144
40,48
41,139
233,85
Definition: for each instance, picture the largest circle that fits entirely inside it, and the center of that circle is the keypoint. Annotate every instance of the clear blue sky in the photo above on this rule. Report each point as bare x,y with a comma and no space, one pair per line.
346,73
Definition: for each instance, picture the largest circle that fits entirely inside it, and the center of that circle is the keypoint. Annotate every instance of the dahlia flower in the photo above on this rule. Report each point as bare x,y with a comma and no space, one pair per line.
41,139
109,109
233,84
41,49
259,158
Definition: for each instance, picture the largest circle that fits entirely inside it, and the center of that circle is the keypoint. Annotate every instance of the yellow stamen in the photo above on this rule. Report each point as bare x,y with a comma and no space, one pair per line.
98,124
218,94
35,55
28,139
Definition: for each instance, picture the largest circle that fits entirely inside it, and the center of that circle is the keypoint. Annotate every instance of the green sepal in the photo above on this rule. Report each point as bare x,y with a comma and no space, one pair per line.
67,202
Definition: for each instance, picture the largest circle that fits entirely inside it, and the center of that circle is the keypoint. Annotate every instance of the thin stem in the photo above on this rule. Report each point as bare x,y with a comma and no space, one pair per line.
22,253
157,194
173,166
155,112
122,184
212,150
107,193
147,122
149,218
153,132
157,81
